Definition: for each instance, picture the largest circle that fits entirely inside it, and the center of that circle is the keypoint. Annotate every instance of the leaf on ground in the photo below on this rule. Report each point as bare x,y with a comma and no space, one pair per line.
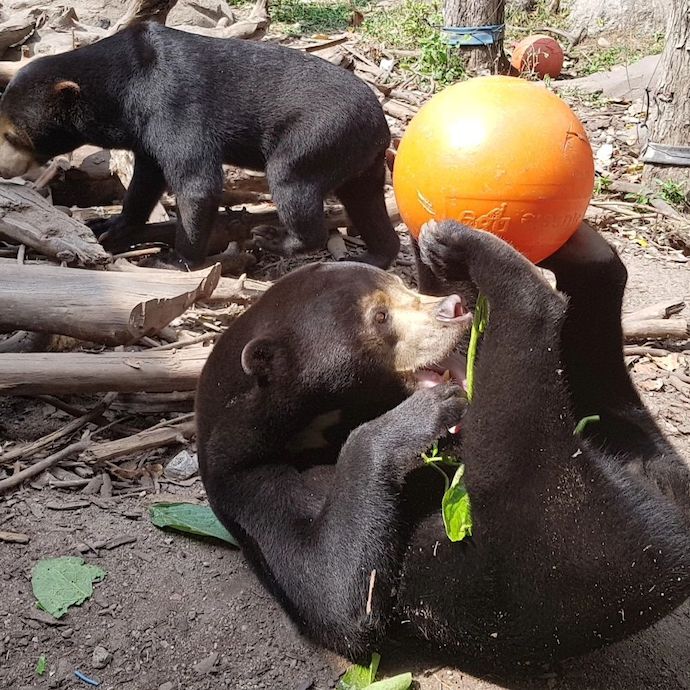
190,518
400,682
457,509
59,583
41,665
360,677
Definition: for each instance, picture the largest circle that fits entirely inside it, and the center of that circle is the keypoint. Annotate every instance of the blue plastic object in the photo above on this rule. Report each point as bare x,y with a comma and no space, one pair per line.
471,36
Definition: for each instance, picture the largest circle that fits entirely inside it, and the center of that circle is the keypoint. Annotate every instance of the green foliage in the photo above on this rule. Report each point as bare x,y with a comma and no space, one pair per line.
403,681
363,677
673,193
582,424
308,17
415,25
625,52
529,22
59,583
359,677
190,518
41,665
456,508
479,324
642,198
602,184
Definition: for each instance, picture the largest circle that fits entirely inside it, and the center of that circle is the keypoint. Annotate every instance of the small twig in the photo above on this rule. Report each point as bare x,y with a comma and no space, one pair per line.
372,582
184,343
61,405
68,483
171,422
137,252
631,350
28,450
42,465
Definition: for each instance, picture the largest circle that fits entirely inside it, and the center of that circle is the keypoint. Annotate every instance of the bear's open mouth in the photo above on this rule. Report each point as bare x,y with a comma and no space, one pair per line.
451,368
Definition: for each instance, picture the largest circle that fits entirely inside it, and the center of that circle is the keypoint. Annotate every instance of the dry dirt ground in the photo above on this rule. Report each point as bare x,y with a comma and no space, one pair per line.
176,613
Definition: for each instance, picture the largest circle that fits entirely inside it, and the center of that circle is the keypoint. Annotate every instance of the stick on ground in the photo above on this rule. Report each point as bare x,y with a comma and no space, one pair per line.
41,465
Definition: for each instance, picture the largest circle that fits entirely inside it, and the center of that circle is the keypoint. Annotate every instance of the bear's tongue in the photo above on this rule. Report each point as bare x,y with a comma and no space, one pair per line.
453,367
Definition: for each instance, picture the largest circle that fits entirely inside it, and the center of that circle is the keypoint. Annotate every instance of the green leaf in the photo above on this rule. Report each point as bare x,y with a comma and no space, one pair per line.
360,677
593,418
41,665
480,321
190,518
59,583
457,509
401,682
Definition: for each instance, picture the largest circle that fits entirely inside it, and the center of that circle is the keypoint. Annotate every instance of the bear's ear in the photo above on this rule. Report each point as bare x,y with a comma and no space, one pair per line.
67,89
259,355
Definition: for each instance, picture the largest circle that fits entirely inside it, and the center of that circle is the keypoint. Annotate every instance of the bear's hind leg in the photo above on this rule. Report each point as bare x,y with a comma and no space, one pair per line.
589,271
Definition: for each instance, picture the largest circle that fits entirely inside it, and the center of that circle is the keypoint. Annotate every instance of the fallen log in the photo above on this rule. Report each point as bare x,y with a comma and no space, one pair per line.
139,10
124,372
15,30
655,329
254,26
97,306
144,440
27,218
659,310
238,290
26,341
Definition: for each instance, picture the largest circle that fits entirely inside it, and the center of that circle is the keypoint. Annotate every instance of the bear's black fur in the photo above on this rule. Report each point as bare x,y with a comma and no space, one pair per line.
578,541
185,104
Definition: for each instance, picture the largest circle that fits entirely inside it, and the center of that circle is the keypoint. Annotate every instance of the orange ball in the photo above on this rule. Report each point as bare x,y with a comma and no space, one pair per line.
499,154
540,55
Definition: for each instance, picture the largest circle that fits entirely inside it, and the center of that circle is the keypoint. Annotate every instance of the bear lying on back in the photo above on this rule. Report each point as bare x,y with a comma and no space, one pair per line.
185,104
578,540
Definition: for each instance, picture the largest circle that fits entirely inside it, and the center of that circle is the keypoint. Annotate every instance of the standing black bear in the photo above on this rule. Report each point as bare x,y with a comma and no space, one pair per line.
185,104
578,540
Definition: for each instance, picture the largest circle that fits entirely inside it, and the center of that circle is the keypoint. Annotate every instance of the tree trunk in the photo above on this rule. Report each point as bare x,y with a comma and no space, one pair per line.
671,124
470,13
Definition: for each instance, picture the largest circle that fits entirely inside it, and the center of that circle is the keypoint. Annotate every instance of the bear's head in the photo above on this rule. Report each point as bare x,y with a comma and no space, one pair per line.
39,114
333,335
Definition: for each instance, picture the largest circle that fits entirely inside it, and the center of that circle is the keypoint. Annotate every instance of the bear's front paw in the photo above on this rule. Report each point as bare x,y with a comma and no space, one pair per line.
443,248
435,411
114,233
169,260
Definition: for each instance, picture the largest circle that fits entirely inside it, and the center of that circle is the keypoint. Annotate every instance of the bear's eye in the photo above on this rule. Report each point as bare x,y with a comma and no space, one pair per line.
381,316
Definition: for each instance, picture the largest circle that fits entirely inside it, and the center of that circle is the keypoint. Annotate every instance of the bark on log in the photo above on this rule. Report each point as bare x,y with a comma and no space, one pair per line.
8,69
145,440
655,329
26,217
141,10
97,306
479,13
659,310
124,372
254,26
16,30
671,124
26,341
